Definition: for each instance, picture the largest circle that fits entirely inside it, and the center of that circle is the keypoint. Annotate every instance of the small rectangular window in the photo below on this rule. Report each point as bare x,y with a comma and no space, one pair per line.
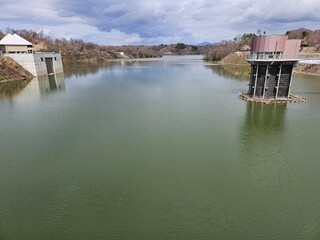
55,58
41,59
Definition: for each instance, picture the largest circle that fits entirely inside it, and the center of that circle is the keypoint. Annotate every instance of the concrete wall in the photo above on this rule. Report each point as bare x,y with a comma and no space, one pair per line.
25,60
40,63
35,63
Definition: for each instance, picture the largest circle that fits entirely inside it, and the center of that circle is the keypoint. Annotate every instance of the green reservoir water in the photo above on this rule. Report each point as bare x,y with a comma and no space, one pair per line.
157,150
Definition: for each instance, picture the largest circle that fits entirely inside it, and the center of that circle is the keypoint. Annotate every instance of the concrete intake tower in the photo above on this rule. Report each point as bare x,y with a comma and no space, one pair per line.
272,60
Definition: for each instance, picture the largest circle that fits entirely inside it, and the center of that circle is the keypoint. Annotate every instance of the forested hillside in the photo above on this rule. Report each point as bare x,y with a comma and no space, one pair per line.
81,51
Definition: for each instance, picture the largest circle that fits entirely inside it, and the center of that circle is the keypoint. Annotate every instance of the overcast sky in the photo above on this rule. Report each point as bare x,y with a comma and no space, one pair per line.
116,22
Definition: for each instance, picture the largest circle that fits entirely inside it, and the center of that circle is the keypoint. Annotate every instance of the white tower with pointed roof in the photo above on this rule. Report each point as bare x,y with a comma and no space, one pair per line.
13,43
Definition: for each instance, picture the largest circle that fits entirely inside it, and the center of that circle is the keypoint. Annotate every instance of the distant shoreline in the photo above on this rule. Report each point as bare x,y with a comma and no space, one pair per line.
10,71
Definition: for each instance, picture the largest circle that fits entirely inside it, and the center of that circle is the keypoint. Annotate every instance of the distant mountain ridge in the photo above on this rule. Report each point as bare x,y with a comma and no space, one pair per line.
206,44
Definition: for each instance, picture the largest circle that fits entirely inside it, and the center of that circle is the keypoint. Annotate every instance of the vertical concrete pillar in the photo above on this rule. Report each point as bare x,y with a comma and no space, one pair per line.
265,81
255,81
279,78
290,83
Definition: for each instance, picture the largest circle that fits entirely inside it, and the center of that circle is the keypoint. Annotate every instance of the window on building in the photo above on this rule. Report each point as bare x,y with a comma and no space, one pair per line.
41,59
55,58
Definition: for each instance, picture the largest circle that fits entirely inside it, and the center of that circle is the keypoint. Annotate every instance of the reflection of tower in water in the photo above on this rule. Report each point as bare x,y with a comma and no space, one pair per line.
261,117
51,83
234,72
263,141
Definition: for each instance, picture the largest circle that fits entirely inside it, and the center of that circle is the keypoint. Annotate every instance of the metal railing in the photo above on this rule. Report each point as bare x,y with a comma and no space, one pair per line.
265,56
46,52
11,52
17,52
309,56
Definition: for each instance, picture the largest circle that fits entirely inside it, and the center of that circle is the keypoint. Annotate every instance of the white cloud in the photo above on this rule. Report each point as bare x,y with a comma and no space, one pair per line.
92,34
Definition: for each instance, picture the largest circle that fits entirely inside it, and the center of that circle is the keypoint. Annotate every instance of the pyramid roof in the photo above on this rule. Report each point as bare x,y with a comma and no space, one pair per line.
14,39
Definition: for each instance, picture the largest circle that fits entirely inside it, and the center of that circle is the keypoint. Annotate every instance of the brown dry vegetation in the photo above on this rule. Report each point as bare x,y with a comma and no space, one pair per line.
9,70
13,77
236,58
223,49
217,53
309,69
77,50
309,38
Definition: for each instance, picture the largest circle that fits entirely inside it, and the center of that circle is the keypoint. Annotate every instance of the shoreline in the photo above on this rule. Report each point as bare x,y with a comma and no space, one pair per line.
10,71
307,74
307,69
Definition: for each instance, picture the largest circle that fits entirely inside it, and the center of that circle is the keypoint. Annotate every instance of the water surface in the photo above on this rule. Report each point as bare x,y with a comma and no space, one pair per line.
157,150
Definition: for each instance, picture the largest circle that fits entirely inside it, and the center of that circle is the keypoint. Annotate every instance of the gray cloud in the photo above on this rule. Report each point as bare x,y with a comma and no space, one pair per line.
163,21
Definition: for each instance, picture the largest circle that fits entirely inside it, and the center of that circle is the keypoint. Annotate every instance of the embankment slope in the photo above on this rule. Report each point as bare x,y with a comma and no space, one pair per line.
236,58
10,70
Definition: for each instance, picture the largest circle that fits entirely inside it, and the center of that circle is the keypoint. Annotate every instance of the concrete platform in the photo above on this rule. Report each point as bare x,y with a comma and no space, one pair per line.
292,99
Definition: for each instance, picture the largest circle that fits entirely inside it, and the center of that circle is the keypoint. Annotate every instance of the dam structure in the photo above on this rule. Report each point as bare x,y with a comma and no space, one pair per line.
37,63
272,60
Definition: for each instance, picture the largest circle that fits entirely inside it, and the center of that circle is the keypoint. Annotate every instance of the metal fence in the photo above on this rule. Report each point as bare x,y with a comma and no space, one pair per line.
255,56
